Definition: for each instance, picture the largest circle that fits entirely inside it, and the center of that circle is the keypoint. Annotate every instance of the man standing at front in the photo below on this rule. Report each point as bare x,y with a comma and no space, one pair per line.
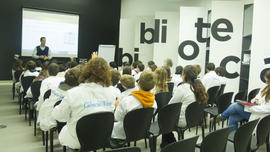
42,52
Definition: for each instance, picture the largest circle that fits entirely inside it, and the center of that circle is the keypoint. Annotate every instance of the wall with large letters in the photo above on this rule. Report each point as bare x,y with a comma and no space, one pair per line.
226,39
260,49
134,12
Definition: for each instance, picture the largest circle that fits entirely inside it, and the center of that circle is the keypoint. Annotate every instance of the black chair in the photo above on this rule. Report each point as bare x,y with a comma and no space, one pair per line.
94,131
126,149
241,138
35,89
221,90
223,103
47,94
215,141
212,94
162,99
262,134
168,118
58,128
46,133
26,82
137,124
240,96
17,75
187,145
194,118
252,94
170,87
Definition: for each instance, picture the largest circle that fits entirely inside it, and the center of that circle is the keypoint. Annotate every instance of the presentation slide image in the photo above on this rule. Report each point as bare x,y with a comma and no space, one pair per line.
61,34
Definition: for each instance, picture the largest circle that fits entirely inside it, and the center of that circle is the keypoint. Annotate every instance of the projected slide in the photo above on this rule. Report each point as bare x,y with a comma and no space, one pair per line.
60,29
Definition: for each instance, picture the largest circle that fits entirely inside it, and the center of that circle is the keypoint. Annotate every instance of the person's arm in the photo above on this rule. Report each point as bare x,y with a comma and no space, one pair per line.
62,111
120,112
34,55
260,109
43,89
177,95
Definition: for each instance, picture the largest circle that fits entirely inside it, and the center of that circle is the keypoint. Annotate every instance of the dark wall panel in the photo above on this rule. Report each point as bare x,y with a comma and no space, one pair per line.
99,24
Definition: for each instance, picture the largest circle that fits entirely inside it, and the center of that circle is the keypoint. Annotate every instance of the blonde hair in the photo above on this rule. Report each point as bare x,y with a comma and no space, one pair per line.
266,91
161,80
147,81
127,81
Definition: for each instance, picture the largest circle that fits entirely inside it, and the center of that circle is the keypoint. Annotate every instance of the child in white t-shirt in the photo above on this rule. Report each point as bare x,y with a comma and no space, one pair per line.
142,98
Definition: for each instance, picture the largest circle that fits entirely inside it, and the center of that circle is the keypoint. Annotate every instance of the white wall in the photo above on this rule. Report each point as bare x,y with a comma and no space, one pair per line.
260,48
133,11
169,49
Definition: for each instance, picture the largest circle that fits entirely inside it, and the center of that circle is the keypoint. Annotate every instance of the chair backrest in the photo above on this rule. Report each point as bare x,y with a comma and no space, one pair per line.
187,145
168,117
126,149
194,114
240,96
252,94
170,87
212,93
221,90
94,130
60,125
35,89
263,130
224,101
162,99
26,82
17,75
47,94
216,141
242,137
137,123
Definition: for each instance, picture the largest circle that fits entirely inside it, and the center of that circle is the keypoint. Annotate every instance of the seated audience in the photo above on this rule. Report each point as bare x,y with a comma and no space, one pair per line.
211,78
128,83
199,69
142,98
115,79
161,80
139,69
153,68
30,70
62,70
149,64
237,111
168,63
169,74
134,67
51,82
191,90
125,71
57,94
38,65
220,71
113,65
93,95
177,77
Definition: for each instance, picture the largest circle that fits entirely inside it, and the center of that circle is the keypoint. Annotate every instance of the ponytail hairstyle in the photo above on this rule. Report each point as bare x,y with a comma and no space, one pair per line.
266,91
190,76
161,80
